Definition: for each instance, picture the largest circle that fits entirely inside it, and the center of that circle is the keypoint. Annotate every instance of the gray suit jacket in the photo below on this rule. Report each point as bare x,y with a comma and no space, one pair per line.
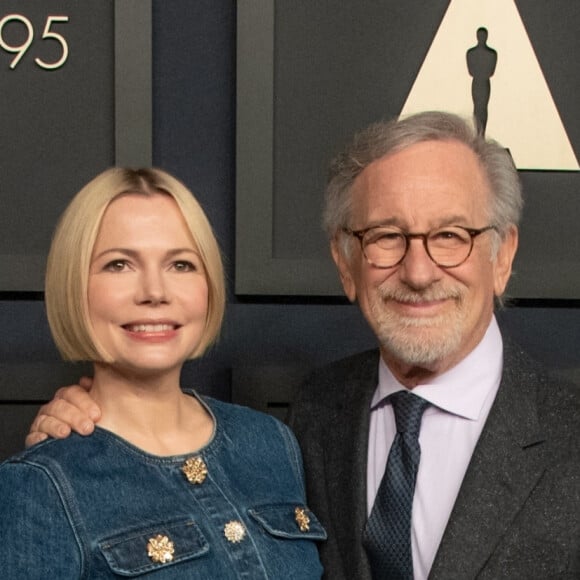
517,514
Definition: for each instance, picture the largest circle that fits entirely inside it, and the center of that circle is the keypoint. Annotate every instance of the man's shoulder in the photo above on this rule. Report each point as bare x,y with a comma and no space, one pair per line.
522,368
557,397
355,363
335,383
335,394
362,366
559,406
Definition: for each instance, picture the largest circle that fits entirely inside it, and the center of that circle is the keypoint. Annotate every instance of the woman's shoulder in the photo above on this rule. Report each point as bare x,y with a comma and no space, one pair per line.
232,412
256,439
247,426
53,452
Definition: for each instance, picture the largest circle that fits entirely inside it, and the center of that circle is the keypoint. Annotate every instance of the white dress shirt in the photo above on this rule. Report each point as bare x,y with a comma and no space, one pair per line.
461,399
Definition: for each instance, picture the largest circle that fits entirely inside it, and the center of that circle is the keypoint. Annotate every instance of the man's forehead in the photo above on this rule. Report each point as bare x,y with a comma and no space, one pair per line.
432,183
433,165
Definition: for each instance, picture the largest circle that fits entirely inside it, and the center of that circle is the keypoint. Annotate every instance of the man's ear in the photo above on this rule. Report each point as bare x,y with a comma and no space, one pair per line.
344,270
504,260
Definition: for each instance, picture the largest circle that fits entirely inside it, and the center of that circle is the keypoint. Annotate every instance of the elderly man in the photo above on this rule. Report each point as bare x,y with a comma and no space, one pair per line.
422,215
446,453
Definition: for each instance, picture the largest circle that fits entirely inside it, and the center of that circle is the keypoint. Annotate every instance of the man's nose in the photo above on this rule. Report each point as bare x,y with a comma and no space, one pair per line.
417,269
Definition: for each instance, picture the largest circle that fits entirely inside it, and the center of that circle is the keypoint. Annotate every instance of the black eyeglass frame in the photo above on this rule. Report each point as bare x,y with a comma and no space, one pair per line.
472,232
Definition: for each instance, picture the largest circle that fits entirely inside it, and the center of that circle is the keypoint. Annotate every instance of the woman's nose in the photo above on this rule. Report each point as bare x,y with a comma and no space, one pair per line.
152,288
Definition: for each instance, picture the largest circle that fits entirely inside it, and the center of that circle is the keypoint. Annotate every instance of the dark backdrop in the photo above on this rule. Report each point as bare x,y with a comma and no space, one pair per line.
267,342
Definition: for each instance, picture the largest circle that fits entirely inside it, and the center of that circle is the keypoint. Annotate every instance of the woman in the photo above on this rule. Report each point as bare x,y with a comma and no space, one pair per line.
171,484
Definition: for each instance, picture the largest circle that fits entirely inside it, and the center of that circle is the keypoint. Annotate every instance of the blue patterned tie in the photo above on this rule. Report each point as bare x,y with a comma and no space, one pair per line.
387,535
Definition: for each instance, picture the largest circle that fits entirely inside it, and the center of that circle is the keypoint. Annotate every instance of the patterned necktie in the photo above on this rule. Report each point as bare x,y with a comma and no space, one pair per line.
387,535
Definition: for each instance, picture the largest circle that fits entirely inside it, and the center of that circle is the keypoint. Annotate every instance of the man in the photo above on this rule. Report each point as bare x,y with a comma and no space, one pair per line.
422,216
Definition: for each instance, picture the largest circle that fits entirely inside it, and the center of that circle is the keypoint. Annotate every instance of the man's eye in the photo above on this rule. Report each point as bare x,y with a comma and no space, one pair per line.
390,236
450,236
445,234
386,238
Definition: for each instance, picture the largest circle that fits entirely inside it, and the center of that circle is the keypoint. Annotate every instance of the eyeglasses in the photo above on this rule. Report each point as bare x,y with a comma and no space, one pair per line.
387,246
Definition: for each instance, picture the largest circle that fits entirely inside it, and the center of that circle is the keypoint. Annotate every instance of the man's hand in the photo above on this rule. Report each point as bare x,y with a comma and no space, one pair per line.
71,409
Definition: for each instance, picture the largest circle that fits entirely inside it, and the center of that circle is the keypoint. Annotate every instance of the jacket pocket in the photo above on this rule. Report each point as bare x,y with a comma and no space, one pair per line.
141,550
289,521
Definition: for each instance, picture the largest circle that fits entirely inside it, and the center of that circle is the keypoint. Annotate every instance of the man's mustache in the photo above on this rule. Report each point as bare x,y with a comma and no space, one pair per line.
417,296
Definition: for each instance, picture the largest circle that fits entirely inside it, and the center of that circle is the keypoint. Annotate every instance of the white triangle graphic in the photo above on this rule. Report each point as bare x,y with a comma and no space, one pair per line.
522,115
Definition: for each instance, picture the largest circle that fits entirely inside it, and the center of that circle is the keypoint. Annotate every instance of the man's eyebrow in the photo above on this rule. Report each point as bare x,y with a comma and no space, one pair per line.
454,219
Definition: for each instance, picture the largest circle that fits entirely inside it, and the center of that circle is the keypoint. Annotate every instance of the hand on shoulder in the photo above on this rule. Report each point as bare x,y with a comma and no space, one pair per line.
71,409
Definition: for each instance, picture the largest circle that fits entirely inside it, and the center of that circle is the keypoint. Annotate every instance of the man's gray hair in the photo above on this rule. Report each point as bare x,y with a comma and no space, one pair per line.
383,138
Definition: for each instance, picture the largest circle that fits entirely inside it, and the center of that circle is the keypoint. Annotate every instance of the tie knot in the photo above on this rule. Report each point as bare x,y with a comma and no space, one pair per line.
408,411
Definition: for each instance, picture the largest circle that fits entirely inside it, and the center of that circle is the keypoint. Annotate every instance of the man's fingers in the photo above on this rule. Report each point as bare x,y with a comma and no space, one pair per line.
76,396
48,425
34,438
86,383
71,409
44,426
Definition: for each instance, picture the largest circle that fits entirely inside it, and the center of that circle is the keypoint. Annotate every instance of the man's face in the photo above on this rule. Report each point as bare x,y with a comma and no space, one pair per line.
426,316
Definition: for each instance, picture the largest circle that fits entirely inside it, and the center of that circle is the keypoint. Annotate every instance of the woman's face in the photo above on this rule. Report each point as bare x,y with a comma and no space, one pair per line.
147,288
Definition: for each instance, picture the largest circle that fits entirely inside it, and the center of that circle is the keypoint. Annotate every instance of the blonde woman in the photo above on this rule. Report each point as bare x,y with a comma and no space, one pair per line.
171,484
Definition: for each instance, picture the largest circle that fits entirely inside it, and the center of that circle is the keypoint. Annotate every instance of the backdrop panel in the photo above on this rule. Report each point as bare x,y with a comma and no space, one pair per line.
311,73
75,98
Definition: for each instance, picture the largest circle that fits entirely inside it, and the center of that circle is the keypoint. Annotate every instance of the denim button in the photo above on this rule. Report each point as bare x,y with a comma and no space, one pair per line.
234,531
195,470
302,519
160,549
288,521
154,546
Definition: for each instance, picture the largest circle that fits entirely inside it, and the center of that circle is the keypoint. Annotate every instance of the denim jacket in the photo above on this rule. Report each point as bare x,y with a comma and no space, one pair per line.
99,507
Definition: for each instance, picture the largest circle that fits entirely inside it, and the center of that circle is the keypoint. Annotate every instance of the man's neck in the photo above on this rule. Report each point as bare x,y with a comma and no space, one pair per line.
412,375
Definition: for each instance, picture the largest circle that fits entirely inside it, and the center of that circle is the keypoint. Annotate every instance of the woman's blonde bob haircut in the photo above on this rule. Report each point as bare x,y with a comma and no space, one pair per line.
69,259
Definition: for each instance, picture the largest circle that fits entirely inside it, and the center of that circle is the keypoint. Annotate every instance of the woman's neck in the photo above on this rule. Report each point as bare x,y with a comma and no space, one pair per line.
150,411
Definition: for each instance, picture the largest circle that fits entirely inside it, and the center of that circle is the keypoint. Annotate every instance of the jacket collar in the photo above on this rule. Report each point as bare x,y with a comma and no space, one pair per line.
507,463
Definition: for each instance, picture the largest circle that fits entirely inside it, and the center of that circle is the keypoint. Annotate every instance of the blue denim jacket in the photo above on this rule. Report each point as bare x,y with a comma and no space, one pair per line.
98,507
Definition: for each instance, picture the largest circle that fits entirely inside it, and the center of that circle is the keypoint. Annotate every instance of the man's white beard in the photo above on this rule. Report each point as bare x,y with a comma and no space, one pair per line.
414,340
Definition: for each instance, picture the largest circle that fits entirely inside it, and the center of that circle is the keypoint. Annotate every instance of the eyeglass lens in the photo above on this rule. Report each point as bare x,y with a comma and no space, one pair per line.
385,247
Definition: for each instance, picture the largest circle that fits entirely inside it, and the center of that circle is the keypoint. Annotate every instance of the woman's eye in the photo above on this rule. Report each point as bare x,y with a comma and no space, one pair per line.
116,265
184,266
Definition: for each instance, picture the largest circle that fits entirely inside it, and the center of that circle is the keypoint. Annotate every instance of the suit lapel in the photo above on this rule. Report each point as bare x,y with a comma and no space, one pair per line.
506,465
346,463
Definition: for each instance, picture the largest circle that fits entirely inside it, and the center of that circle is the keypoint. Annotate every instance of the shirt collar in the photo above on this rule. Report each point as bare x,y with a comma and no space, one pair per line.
463,389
